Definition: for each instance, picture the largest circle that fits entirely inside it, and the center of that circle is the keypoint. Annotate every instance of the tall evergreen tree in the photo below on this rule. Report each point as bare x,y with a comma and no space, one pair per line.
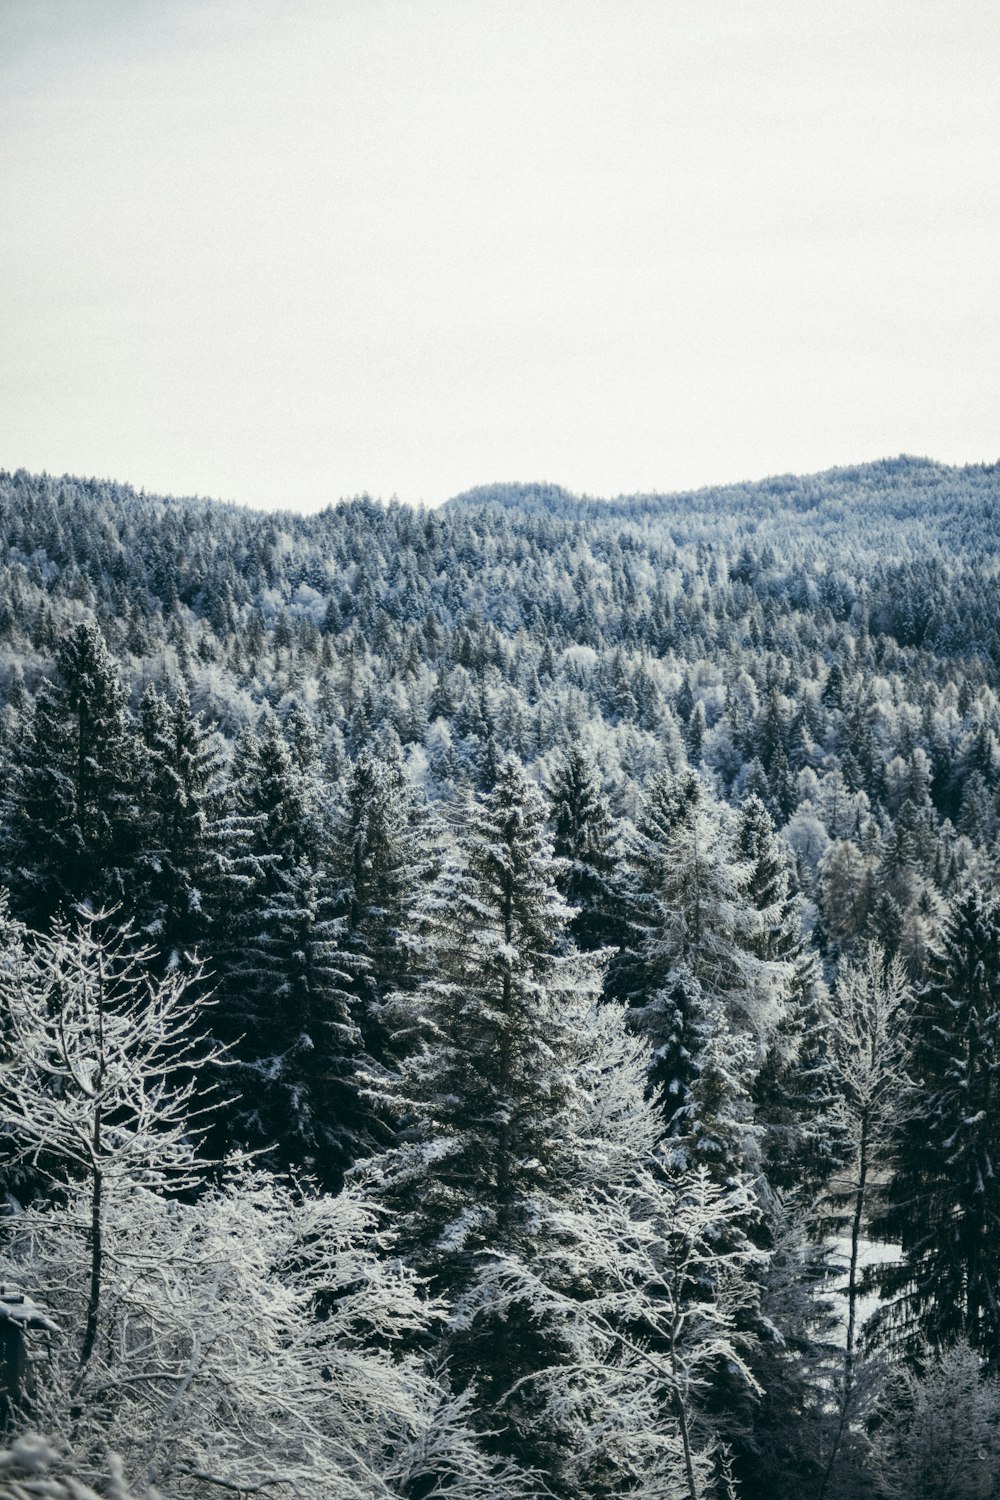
71,826
585,840
386,848
527,1186
282,994
691,955
794,1094
187,831
492,925
479,1098
943,1199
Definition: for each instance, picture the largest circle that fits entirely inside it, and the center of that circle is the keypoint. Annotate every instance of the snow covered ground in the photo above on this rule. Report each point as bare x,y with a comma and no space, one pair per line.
870,1253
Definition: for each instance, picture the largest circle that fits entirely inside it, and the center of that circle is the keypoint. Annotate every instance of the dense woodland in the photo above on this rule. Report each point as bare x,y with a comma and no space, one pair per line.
502,1001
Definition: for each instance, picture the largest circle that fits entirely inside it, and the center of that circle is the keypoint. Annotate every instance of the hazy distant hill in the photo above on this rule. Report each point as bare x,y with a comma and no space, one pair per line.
865,495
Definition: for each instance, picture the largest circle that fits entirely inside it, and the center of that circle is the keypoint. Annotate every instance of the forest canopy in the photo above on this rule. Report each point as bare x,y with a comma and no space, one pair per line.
502,1001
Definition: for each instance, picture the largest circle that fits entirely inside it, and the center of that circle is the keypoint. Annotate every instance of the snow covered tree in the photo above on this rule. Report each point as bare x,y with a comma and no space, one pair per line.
186,833
691,954
846,892
644,1266
779,1444
793,1094
488,1089
251,1341
944,1193
33,1468
870,1045
716,1124
244,1336
648,1307
482,1087
529,1186
385,850
282,1000
72,823
585,840
302,737
98,1075
938,1433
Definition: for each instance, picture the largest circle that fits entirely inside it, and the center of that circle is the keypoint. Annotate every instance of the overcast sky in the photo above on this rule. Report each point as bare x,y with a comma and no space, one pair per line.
288,252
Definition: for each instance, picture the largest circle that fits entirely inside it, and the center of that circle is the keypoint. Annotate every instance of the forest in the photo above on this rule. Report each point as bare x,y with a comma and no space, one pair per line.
502,1002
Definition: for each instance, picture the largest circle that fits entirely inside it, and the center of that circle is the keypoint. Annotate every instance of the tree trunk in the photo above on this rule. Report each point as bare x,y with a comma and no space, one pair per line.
852,1303
96,1250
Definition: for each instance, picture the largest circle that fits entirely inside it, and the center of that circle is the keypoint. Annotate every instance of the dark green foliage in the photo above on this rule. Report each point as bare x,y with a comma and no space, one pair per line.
943,1200
585,839
384,854
492,927
281,993
478,1100
186,834
794,1094
72,825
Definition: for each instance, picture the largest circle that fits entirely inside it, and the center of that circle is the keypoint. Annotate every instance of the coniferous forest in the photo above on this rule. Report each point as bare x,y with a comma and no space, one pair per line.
502,1001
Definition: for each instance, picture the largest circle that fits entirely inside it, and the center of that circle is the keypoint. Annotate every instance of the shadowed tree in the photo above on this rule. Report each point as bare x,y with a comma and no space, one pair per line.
943,1198
72,823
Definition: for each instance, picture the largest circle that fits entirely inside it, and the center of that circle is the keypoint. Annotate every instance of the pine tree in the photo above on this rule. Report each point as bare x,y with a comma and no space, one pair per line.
691,952
185,828
584,838
386,849
282,998
492,925
72,819
479,1097
944,1194
717,1121
529,1188
793,1093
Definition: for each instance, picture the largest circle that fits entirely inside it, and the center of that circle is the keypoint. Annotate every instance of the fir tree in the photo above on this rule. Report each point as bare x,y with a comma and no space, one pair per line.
72,819
282,997
529,1188
479,1097
585,840
186,832
944,1194
385,851
691,951
793,1092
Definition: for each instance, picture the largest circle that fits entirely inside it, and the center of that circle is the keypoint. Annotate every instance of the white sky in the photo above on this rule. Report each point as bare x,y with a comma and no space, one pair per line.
287,252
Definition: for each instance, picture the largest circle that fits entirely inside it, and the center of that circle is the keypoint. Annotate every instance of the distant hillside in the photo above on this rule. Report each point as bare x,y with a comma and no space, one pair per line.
948,499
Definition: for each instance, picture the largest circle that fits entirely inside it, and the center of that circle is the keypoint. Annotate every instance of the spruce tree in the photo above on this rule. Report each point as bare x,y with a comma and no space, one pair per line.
282,1000
575,1260
793,1091
479,1096
385,849
585,840
691,951
943,1199
186,831
72,821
